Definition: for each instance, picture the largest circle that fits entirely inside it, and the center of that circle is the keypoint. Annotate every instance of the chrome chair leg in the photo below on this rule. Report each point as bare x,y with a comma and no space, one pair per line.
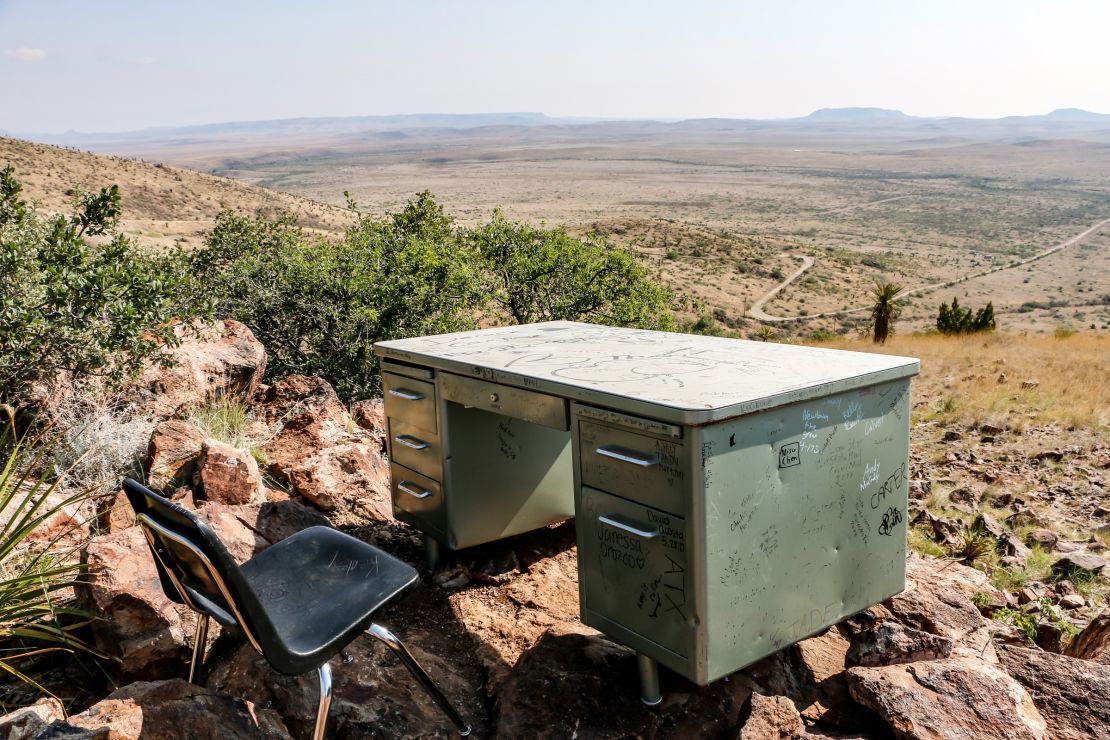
393,643
200,638
324,672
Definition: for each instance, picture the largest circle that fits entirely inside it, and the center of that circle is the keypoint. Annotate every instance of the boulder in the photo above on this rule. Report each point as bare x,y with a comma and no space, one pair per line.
353,475
139,628
26,723
770,717
1072,695
172,453
889,643
165,710
937,600
248,529
1046,538
1081,561
953,699
228,475
221,358
370,415
1093,643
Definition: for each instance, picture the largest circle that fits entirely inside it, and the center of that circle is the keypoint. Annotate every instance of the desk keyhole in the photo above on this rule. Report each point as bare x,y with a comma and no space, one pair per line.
494,398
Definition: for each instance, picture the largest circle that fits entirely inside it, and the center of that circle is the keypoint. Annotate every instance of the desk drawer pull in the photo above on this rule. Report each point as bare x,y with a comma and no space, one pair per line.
413,490
410,441
647,534
406,394
628,456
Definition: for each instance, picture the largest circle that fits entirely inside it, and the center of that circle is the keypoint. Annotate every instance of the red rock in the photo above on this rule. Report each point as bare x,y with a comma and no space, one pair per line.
889,643
223,358
1072,695
172,453
770,717
353,474
1093,643
228,475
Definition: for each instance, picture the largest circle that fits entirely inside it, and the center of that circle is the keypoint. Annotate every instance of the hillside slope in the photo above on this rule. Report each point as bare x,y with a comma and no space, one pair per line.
161,204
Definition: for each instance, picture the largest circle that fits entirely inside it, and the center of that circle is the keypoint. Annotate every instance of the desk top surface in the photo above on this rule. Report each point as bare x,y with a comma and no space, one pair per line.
684,378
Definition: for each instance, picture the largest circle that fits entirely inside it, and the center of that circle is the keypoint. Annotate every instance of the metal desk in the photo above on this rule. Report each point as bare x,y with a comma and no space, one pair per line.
732,497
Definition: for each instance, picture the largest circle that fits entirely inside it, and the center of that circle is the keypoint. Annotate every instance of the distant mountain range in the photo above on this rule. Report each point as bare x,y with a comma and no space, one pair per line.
351,130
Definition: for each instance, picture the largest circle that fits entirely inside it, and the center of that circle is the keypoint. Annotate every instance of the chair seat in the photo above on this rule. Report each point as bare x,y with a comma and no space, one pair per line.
320,589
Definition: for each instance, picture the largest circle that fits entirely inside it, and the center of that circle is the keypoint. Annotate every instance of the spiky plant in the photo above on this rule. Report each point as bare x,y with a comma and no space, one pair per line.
886,308
37,576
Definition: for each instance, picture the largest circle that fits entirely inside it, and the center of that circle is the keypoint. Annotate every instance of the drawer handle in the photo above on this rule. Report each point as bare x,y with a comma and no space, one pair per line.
647,534
628,456
413,490
406,394
410,441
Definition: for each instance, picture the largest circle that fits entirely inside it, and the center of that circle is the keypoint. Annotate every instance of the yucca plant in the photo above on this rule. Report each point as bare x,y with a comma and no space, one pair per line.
37,610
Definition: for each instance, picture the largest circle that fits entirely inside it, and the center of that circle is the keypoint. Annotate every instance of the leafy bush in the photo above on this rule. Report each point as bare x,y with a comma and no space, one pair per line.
956,320
319,305
536,274
69,305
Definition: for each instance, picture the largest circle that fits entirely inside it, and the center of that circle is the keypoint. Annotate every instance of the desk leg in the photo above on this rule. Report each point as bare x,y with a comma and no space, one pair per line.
649,680
431,552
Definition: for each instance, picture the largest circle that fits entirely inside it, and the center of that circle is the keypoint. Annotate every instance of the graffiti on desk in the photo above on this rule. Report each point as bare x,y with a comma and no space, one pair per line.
666,593
891,519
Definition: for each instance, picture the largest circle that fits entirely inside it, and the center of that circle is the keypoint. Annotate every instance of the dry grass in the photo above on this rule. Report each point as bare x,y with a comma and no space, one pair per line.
959,379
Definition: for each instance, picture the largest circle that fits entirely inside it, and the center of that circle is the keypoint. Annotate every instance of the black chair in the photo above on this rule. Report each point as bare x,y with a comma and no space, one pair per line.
298,603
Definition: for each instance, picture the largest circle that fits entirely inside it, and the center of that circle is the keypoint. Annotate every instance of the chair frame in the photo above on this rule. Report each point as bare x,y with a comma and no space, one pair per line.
151,527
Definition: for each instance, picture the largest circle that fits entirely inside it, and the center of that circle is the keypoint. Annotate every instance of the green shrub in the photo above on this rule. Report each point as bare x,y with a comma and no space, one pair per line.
318,305
69,305
37,612
956,320
536,274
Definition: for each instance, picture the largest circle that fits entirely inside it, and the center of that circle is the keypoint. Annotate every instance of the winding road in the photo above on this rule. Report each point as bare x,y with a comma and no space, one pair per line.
756,311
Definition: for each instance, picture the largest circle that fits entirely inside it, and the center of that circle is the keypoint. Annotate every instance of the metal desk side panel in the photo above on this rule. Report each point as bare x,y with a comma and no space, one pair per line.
805,510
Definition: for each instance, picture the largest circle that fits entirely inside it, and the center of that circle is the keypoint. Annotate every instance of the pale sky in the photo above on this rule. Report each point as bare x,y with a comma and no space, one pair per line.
114,65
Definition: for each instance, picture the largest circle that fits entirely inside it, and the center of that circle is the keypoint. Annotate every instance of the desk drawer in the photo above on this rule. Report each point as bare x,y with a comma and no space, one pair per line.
633,568
506,400
416,449
412,401
418,496
639,467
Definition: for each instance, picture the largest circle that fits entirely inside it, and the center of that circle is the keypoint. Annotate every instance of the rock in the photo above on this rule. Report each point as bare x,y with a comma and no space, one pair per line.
1072,601
27,722
890,642
937,600
770,717
501,568
228,475
138,627
816,684
951,435
222,358
248,529
373,695
115,513
1045,538
1093,643
990,429
1011,545
354,475
953,698
161,710
452,575
987,523
172,453
1001,378
1072,695
1029,384
370,415
1081,561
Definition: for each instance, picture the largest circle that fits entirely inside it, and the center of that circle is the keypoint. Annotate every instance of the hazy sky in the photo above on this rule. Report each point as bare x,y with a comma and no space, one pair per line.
125,64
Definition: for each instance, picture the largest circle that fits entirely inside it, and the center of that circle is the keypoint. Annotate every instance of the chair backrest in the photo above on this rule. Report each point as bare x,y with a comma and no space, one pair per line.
195,568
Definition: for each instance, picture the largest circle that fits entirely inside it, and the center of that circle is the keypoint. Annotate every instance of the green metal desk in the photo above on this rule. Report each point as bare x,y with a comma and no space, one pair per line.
731,497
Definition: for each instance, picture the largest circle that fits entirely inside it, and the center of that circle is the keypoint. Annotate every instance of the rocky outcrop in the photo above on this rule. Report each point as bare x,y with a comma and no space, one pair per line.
28,722
228,475
138,627
172,454
1093,643
770,718
954,699
889,643
165,710
354,475
1072,695
222,358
